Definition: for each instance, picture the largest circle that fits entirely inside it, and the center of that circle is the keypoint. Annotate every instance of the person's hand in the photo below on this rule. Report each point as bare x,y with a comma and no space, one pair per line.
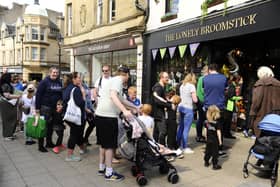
127,114
88,110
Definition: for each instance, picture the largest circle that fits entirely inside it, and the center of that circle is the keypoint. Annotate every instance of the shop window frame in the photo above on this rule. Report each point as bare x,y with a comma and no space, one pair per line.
169,13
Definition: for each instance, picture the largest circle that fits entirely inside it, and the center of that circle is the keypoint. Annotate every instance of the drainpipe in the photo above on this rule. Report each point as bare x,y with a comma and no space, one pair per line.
141,8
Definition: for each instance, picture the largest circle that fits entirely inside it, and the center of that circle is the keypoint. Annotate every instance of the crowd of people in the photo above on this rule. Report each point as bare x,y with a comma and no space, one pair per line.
168,118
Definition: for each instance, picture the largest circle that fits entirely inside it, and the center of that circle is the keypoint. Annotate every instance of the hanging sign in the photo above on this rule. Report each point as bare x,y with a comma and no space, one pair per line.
193,48
182,49
162,52
171,51
154,53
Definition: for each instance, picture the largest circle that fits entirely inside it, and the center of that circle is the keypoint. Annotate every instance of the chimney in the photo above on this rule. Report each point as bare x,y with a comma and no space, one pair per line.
36,2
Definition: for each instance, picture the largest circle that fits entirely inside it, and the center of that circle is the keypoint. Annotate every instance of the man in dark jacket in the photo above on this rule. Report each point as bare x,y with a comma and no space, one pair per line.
159,105
48,93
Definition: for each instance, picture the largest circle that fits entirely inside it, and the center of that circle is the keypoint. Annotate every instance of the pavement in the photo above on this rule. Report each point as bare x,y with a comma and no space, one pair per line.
23,166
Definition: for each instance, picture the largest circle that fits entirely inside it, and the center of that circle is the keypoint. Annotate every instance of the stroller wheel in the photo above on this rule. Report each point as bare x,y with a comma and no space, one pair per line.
141,180
173,178
163,168
134,171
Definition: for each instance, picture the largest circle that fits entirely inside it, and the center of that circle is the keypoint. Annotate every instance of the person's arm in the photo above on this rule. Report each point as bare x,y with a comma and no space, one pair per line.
257,99
118,103
194,97
39,95
219,134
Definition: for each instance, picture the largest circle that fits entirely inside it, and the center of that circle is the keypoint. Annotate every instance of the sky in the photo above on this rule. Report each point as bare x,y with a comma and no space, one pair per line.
57,5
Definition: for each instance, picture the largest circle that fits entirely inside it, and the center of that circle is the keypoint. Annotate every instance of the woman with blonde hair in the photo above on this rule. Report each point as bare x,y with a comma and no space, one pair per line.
188,96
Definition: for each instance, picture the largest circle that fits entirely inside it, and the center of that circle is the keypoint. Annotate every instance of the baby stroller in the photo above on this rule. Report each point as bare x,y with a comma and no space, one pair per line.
139,147
266,148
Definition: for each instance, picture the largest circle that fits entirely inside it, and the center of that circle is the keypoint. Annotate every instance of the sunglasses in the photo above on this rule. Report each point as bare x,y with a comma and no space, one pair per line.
105,70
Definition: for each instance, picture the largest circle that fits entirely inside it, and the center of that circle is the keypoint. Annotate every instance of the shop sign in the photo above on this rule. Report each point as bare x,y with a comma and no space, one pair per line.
245,20
222,26
120,44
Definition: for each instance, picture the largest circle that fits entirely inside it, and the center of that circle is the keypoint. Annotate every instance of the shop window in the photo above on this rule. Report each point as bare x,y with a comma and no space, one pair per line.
35,33
34,53
171,10
43,54
69,19
112,10
99,12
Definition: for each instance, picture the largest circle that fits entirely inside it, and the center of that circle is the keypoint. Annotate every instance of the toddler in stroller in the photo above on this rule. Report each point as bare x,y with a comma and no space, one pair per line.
266,148
137,145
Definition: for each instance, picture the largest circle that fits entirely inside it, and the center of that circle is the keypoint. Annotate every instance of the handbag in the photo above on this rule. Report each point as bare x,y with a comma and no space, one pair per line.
38,131
73,112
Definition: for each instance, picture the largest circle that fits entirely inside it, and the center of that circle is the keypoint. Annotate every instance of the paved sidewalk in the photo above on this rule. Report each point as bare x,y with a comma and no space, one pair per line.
24,166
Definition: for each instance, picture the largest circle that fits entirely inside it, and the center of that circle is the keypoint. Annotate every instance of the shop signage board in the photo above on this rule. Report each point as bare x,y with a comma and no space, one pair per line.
106,46
261,17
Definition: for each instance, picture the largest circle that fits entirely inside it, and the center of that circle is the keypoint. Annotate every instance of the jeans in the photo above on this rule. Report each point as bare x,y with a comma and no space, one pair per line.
185,123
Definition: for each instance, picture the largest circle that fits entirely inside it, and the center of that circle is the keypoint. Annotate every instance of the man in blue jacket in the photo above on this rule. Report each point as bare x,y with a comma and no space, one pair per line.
48,93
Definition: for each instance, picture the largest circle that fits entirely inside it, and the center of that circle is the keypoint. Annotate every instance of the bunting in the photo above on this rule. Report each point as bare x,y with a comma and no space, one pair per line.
171,51
182,50
193,48
162,52
154,53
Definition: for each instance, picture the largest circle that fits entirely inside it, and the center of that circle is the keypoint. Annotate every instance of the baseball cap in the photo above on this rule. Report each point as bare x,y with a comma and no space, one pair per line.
123,68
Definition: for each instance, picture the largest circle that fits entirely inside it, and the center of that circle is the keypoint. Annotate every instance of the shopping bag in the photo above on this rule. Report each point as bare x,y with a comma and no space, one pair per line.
38,131
73,112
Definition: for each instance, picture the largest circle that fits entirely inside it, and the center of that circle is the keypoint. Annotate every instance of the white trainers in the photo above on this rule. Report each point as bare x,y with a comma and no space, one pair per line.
73,158
178,152
188,151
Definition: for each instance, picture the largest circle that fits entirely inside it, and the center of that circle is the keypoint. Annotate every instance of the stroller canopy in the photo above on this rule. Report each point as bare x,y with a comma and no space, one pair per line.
270,122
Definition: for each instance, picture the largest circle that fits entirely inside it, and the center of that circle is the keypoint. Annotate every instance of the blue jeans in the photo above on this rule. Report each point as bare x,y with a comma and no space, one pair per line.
185,123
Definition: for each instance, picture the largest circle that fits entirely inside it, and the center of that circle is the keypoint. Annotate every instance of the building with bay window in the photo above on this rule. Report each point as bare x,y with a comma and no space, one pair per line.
103,32
29,45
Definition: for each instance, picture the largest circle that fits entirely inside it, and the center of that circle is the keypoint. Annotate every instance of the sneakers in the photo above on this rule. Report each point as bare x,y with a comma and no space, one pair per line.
30,142
62,146
56,149
101,172
216,167
188,151
11,138
245,133
114,177
43,149
178,152
206,164
73,158
83,151
222,154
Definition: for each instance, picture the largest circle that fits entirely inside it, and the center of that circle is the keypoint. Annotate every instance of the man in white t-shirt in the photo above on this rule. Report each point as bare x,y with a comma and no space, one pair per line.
109,106
101,82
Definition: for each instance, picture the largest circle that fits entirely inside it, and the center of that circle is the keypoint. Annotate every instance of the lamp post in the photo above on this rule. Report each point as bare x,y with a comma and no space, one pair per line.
59,39
21,39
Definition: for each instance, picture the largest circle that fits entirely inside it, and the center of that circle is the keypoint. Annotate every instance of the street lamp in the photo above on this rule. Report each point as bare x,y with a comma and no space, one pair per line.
21,36
59,39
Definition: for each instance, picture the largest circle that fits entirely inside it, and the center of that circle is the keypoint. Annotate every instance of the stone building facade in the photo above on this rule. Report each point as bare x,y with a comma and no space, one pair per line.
29,45
99,32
